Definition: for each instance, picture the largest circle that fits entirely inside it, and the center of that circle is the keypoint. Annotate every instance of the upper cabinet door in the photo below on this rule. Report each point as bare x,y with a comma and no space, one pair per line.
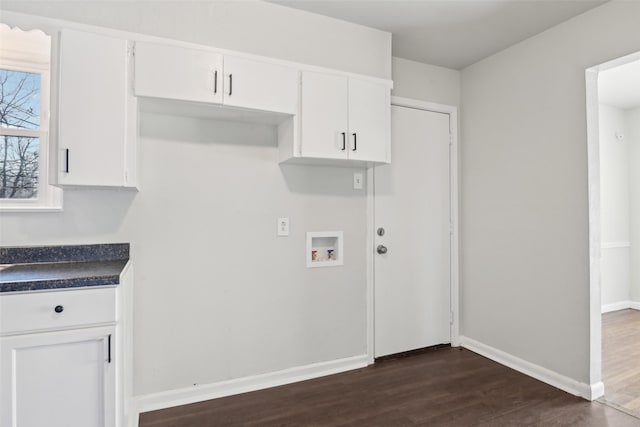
260,85
164,71
369,116
324,109
93,110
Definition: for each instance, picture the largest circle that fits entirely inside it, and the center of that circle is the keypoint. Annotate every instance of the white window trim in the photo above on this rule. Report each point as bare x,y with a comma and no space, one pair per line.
49,197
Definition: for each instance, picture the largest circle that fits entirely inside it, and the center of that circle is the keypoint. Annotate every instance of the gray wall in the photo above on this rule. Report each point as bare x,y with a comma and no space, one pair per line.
425,82
246,25
614,206
217,294
525,241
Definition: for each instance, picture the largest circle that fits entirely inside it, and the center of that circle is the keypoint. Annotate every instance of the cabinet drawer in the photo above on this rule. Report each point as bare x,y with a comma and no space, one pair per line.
37,311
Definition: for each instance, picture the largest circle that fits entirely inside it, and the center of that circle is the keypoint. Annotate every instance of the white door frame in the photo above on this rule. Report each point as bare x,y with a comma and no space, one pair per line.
454,202
595,285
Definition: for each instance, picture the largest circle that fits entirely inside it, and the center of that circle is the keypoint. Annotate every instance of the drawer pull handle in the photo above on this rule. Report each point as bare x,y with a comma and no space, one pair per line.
58,309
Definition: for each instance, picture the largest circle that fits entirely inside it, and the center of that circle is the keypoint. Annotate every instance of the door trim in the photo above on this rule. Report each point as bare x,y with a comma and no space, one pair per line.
452,111
595,244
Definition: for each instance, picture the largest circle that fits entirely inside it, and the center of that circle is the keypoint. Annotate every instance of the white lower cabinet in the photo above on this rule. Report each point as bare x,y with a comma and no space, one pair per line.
58,359
58,379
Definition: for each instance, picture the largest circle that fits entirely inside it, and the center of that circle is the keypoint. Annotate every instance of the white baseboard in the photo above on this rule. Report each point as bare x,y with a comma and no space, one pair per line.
621,305
586,391
199,393
597,390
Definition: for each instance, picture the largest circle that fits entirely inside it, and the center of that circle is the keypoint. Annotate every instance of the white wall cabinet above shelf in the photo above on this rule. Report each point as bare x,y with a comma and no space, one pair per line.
203,76
96,144
343,120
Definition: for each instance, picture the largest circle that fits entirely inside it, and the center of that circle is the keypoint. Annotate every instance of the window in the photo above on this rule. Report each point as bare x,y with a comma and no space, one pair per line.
24,121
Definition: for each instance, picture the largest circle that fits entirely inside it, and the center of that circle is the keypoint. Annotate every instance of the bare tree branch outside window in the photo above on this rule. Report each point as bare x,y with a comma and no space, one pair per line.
19,148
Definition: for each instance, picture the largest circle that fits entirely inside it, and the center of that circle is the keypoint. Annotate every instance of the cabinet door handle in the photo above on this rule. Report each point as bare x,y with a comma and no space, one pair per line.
58,309
66,161
215,82
355,142
344,141
230,84
109,349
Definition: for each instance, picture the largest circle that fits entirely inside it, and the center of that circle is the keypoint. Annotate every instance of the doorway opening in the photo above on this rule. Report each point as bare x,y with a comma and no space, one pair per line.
613,119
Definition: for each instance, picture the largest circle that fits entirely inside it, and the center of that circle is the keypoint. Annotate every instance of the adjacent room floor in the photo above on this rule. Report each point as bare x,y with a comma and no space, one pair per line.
443,387
621,360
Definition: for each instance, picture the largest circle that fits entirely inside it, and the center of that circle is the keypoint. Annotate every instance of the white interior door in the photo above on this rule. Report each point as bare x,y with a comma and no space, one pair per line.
412,205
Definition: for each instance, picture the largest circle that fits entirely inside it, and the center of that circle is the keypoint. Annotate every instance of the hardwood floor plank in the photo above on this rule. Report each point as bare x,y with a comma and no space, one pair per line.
621,359
443,387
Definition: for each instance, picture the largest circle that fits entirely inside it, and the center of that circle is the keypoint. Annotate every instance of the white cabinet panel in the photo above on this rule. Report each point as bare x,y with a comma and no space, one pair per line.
170,72
343,118
260,86
322,117
26,312
369,115
94,111
185,74
58,379
324,113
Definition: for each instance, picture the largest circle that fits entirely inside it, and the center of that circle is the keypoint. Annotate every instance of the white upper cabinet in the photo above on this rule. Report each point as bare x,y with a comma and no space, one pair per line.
170,72
186,74
260,85
96,113
322,117
324,108
343,118
369,121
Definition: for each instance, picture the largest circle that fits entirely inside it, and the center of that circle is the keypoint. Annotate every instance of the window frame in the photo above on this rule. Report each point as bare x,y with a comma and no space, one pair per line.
49,197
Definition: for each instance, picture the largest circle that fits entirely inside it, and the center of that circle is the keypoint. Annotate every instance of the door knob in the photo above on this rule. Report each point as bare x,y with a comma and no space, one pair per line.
381,249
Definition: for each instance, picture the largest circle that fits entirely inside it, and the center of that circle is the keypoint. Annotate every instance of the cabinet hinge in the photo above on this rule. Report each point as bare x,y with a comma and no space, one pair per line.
451,228
131,52
451,317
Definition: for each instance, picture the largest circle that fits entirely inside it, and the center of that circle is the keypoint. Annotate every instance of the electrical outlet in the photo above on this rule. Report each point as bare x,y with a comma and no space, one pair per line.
283,226
357,180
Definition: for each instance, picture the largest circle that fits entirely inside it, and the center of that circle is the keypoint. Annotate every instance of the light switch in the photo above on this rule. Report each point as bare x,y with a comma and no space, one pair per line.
357,180
283,226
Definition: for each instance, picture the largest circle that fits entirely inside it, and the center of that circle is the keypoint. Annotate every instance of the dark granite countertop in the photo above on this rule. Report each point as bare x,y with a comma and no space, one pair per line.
59,267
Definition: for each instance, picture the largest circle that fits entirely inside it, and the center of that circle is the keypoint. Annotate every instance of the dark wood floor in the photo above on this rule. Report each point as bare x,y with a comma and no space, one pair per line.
621,359
444,387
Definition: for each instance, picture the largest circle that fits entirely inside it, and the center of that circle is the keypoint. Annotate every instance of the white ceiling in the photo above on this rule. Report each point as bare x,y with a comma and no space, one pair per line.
450,33
620,86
